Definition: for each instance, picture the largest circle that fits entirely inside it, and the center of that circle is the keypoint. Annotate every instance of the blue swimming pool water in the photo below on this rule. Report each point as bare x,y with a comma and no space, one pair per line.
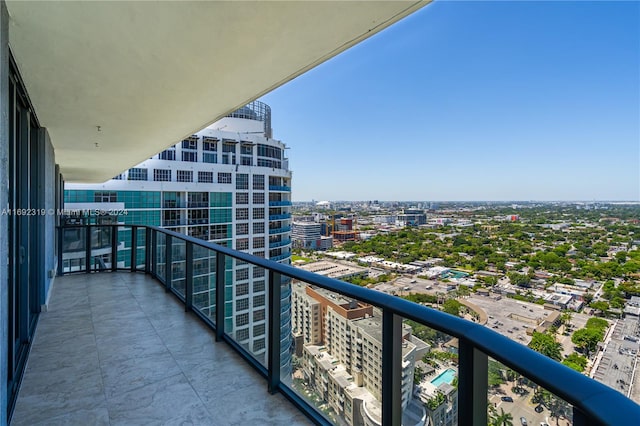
446,376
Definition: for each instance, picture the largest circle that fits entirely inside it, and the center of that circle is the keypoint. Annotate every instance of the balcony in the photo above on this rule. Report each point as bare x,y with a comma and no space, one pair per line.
277,244
115,348
118,346
280,216
279,230
279,203
279,188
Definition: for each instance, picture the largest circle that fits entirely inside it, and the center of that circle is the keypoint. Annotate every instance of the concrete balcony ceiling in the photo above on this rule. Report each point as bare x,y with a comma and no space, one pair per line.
116,82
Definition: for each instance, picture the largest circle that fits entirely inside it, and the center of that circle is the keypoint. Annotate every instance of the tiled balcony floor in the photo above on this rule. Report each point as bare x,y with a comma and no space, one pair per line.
115,349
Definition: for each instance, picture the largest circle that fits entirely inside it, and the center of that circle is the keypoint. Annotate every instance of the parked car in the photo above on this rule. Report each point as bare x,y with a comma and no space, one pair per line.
507,399
523,421
539,408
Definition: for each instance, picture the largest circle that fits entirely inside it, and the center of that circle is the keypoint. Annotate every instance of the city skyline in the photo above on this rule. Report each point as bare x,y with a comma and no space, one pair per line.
487,101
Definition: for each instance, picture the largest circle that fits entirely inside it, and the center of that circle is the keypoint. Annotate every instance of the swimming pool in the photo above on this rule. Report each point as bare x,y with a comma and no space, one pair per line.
446,376
455,274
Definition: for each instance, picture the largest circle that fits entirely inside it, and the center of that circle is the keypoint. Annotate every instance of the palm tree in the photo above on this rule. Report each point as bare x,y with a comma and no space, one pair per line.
502,419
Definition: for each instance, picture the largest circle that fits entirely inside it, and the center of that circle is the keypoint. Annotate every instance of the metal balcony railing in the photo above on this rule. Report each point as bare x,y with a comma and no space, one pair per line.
173,259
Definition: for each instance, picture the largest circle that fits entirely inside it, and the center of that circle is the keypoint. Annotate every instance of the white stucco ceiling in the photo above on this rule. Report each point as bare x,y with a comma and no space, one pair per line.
151,73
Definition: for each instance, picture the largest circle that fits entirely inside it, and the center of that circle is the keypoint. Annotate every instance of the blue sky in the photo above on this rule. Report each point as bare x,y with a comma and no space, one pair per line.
473,101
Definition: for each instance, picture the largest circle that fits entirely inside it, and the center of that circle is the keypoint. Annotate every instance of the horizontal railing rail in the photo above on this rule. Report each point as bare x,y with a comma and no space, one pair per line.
593,402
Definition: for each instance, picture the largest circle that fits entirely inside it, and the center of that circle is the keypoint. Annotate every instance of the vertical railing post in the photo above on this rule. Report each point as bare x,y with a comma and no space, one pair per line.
473,382
391,369
154,253
60,230
114,247
188,276
168,263
87,249
220,295
147,250
134,248
579,419
274,309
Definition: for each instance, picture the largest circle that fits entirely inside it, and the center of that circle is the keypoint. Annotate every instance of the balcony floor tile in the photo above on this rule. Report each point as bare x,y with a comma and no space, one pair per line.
116,349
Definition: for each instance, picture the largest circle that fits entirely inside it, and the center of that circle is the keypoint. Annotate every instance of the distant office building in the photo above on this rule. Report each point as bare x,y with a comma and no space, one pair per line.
411,217
230,184
339,343
308,235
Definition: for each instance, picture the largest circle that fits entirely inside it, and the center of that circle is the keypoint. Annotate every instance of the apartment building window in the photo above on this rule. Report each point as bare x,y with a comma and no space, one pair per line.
269,151
242,244
168,154
242,198
137,174
258,213
246,161
258,198
224,177
190,143
258,181
259,254
242,274
258,286
242,335
191,156
242,305
242,214
162,175
258,345
210,157
242,289
205,177
246,149
258,315
119,177
258,330
242,228
219,232
105,197
258,273
229,153
258,242
185,176
242,181
258,300
209,144
258,228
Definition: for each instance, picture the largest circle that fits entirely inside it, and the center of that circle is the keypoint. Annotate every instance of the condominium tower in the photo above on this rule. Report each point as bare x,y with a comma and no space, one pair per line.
230,184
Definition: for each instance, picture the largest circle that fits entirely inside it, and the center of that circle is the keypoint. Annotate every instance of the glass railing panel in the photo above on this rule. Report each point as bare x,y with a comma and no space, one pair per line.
336,354
246,308
429,378
141,248
73,249
178,265
101,250
204,281
515,398
161,244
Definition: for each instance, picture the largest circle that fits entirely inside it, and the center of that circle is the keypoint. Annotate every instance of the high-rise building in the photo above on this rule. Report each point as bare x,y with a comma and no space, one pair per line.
230,184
